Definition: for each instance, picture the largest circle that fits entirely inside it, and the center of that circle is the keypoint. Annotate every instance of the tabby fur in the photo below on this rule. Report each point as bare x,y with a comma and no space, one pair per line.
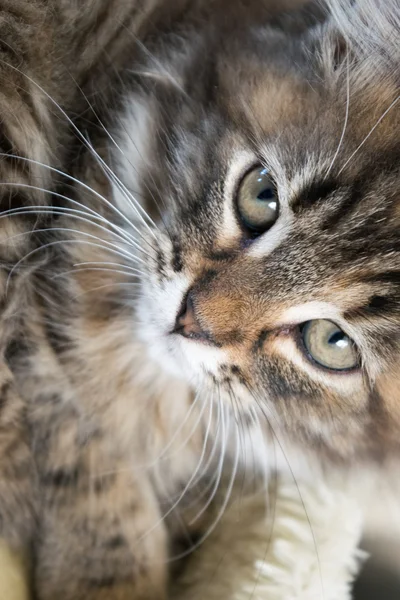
121,430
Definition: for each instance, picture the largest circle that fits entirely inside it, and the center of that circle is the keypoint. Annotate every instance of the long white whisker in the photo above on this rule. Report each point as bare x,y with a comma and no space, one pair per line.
87,209
196,476
123,268
54,243
222,508
112,176
219,470
213,449
75,128
77,181
106,285
346,119
103,269
73,213
169,510
106,243
190,481
278,441
370,133
164,454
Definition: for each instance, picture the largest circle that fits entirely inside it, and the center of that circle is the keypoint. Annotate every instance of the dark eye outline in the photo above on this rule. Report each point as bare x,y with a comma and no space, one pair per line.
253,232
303,348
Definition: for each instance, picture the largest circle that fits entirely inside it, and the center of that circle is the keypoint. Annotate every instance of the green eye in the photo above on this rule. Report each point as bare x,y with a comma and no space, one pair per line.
329,346
257,200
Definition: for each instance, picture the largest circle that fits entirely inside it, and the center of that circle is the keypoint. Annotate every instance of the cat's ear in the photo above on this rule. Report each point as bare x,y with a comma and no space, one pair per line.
327,42
364,30
335,49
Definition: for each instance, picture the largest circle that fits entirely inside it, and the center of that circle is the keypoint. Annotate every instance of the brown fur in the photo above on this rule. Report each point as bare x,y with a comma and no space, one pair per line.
124,421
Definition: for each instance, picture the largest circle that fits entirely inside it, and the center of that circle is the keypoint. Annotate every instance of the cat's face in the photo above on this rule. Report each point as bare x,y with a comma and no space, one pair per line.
270,165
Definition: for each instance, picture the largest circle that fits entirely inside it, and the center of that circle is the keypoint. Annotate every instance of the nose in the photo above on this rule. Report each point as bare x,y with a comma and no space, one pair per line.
187,324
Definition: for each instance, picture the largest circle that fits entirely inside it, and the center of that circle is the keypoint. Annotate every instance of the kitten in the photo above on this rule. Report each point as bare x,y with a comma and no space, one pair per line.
229,277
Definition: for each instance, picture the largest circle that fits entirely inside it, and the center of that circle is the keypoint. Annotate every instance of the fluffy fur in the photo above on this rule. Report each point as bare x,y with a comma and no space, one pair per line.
121,430
263,550
291,549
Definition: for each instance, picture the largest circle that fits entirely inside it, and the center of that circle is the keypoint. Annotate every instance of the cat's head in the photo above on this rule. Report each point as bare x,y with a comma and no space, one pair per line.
269,159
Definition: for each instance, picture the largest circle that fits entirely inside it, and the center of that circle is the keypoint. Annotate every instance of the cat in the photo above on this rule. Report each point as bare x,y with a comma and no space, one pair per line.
220,273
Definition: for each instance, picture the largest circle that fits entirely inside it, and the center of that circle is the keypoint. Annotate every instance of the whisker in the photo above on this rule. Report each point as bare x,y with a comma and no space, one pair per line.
73,213
151,176
219,470
123,268
164,454
155,60
74,127
54,243
346,118
259,403
106,285
86,209
113,178
103,269
194,477
167,512
212,452
106,243
78,182
393,104
221,510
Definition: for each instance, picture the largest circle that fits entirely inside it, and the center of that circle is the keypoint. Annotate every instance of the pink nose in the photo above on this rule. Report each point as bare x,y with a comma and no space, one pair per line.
186,323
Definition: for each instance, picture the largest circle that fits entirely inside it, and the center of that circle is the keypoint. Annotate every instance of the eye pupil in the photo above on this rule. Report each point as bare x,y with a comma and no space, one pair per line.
267,194
339,339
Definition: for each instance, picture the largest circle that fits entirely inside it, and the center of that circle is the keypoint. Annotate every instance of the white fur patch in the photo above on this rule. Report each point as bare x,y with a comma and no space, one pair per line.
132,154
299,543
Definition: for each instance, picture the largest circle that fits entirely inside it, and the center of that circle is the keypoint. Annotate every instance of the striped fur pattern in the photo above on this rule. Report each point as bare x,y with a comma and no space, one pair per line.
124,430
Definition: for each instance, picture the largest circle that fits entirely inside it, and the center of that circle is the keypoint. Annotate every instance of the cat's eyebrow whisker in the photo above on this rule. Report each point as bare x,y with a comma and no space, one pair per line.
110,173
121,123
346,118
392,105
155,60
